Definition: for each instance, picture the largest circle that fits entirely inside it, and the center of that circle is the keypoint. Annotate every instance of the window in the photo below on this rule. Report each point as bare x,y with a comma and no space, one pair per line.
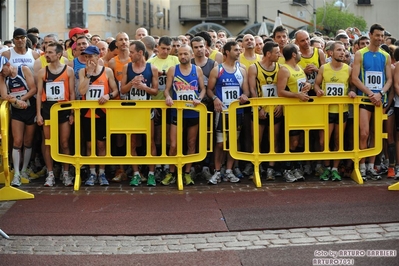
168,19
144,14
159,19
302,2
214,8
76,15
127,11
108,8
136,12
164,18
151,16
118,9
364,2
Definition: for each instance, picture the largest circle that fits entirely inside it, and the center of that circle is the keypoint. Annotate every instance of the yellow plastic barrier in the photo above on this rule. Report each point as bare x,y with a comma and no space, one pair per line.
7,192
306,116
128,117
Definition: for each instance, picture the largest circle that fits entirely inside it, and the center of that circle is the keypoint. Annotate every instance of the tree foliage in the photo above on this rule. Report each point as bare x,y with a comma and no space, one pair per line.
333,19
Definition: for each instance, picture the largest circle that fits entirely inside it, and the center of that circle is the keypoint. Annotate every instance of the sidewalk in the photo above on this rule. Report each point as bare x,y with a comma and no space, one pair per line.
290,246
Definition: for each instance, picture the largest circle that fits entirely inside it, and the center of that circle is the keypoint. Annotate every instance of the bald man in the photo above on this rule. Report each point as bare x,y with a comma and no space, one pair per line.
140,33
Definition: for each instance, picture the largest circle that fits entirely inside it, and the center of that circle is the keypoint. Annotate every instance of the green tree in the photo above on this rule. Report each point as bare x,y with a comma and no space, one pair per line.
332,19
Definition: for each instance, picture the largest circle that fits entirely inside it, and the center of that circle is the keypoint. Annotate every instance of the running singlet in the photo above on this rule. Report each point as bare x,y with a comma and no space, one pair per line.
206,69
213,54
118,70
185,88
313,60
372,70
162,65
98,87
22,59
17,87
247,63
56,86
266,82
228,86
335,83
136,94
296,80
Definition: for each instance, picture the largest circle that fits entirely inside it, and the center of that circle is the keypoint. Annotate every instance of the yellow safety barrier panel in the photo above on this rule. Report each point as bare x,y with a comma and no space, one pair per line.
7,192
306,117
128,118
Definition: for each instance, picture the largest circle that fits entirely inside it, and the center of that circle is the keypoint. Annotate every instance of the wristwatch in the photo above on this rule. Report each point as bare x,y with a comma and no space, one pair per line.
214,97
110,95
382,93
88,75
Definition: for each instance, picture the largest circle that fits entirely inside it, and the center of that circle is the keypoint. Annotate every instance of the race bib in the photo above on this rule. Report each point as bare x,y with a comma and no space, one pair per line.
373,80
230,94
301,83
161,83
335,89
312,77
19,94
136,94
269,90
186,95
94,92
55,91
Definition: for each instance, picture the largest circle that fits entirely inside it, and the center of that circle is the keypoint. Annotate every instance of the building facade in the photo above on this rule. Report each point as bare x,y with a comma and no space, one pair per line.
236,16
103,17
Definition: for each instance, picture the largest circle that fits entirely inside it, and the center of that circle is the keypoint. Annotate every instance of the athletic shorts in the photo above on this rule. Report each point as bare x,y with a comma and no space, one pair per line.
26,116
63,116
100,125
219,125
333,118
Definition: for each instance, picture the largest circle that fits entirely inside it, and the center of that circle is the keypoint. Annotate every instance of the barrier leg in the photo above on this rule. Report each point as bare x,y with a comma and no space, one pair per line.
356,176
11,193
256,178
394,187
179,177
78,181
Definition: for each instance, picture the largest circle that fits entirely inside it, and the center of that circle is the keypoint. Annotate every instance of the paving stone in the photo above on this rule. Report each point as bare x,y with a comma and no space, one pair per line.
261,242
208,245
391,234
367,226
391,228
292,235
279,241
221,239
303,240
245,233
47,248
193,241
226,234
371,230
343,232
298,230
247,237
181,247
370,236
327,238
238,244
318,233
255,247
140,238
166,242
155,249
282,231
350,237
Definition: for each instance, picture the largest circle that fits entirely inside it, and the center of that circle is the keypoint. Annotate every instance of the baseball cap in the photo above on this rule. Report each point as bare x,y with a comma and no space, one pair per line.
91,50
3,61
75,31
19,32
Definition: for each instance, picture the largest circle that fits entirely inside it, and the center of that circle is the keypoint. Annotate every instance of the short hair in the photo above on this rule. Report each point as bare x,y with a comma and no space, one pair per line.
189,35
396,54
206,36
288,50
228,45
363,37
223,32
196,39
392,39
396,43
268,39
82,37
95,35
376,27
33,30
7,42
280,29
341,36
268,47
139,46
52,35
112,45
149,42
332,46
211,30
33,38
58,47
165,40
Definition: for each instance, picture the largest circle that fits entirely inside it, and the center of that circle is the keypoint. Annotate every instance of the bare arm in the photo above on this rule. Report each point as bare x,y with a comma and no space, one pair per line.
168,86
252,72
40,76
318,82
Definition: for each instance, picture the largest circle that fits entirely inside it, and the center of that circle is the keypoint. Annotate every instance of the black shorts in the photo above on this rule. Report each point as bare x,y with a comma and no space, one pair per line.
219,121
397,118
158,117
369,108
266,122
26,116
100,124
187,122
333,118
63,116
295,133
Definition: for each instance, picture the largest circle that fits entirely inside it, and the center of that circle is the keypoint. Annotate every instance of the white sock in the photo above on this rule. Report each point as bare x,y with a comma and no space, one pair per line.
16,159
27,155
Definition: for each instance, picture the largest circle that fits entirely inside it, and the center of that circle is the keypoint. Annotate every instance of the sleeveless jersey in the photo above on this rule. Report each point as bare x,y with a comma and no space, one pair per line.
213,54
70,54
185,88
26,59
44,62
162,64
118,74
247,63
296,80
17,87
206,69
335,83
281,60
372,70
266,82
228,87
55,86
98,87
313,60
136,94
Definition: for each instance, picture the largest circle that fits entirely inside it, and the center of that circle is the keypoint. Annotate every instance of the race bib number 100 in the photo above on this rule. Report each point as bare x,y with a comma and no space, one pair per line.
373,80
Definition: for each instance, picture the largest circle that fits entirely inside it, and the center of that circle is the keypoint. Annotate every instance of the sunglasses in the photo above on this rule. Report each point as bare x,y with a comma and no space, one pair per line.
19,37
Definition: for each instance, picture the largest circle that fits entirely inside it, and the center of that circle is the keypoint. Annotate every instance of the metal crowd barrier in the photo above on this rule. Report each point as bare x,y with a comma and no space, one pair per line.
8,192
306,116
127,118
